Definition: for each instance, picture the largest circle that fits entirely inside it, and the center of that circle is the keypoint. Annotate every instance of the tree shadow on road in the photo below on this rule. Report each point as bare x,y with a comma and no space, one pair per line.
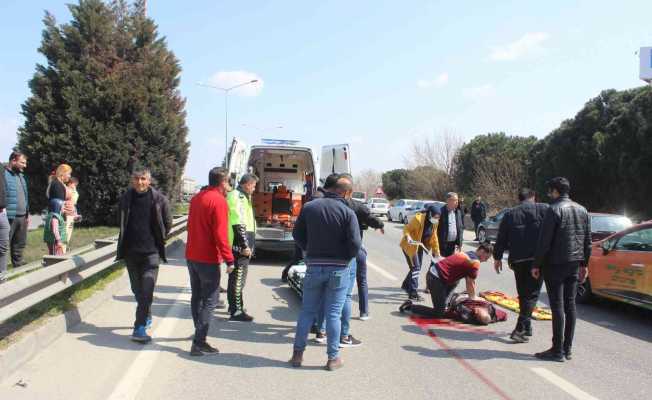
470,354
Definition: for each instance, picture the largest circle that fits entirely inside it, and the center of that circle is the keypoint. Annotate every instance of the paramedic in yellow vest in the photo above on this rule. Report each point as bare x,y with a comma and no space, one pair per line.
422,228
242,237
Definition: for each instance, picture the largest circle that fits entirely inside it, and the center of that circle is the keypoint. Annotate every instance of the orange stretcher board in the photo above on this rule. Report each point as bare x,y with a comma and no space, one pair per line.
511,303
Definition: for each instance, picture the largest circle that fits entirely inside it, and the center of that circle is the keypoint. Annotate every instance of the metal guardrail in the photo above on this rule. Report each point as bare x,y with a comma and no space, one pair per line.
57,273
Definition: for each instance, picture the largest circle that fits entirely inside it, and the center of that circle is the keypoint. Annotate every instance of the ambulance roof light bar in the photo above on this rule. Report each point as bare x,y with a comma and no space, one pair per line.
280,142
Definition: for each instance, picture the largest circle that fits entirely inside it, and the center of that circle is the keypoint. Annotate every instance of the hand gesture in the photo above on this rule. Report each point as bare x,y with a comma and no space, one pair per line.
229,269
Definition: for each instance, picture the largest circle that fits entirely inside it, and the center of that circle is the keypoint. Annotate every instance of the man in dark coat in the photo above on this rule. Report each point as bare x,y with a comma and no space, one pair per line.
478,214
450,230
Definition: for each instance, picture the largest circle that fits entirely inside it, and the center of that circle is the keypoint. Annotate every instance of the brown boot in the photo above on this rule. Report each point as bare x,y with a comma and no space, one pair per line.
297,359
334,364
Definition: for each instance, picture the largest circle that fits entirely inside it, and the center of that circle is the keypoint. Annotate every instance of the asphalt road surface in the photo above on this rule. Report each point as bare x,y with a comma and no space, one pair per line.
398,359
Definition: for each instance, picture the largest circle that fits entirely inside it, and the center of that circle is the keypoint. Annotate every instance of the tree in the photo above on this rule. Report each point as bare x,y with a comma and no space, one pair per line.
438,152
106,100
498,180
429,183
368,181
486,151
395,183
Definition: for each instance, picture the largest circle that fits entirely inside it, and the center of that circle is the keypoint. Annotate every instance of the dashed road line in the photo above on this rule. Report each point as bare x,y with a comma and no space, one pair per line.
381,271
563,384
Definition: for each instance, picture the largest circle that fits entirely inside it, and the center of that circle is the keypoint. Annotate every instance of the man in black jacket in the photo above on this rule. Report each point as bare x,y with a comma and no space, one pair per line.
562,254
478,214
518,233
450,230
145,222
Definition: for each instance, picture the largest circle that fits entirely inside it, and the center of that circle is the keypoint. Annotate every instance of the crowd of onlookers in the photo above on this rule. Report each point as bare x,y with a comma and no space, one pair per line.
15,211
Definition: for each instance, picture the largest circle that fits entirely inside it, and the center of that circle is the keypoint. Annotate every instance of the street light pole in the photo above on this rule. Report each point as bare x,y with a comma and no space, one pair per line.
226,109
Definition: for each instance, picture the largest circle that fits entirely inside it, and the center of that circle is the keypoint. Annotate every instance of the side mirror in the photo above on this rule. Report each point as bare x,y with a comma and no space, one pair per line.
606,247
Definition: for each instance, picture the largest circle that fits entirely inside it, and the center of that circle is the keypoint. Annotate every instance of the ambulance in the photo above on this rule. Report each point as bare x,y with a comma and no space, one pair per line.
288,179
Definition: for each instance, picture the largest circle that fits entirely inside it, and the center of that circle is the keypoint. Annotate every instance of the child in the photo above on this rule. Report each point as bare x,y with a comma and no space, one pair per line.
54,232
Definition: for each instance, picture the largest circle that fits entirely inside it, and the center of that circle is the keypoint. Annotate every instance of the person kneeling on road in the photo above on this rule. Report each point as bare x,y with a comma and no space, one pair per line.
443,277
242,237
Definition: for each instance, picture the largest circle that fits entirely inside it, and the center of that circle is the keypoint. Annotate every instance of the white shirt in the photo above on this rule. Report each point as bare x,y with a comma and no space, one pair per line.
452,226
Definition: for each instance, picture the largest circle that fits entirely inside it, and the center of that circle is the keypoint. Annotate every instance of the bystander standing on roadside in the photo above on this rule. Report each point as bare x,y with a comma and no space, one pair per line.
478,214
562,255
242,238
57,186
4,229
17,206
54,228
327,230
450,230
70,208
207,248
145,222
518,234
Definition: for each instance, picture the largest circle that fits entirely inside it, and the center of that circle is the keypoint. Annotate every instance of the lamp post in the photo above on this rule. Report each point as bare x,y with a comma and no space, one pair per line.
226,109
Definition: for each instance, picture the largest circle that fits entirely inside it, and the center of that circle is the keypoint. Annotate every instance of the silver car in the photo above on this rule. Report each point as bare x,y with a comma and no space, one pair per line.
420,206
398,211
378,206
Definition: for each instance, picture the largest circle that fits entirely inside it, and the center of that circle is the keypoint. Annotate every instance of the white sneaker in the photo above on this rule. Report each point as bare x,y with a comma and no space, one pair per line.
364,317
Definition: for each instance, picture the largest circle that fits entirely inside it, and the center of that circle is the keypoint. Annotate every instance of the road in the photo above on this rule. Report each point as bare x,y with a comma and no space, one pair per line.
398,359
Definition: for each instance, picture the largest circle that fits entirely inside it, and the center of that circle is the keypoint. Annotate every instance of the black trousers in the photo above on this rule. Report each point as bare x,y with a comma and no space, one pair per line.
440,294
361,279
143,272
561,284
205,287
447,249
17,239
475,227
528,290
237,280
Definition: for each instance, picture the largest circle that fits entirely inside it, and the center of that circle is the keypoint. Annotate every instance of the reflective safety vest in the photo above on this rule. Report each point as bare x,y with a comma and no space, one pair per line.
241,212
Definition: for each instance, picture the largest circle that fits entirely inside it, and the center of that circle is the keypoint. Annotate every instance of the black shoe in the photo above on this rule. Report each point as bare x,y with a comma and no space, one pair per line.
284,275
349,341
568,355
195,351
550,355
405,306
519,336
206,348
241,317
416,297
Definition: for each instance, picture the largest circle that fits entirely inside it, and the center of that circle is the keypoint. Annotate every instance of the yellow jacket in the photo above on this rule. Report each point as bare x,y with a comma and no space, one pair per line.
415,229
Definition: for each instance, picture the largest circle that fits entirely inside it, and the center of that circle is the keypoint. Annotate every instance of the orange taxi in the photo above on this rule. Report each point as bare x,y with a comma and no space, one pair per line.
621,267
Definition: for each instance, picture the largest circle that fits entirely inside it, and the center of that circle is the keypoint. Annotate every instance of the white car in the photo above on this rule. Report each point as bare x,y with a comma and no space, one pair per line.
378,206
398,211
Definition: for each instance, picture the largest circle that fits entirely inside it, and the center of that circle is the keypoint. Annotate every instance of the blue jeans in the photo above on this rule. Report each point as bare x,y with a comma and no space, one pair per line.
346,310
325,285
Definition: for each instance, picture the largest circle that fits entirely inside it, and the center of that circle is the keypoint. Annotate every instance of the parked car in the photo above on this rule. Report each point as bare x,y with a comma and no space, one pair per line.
620,268
359,196
398,210
605,225
488,229
420,206
378,206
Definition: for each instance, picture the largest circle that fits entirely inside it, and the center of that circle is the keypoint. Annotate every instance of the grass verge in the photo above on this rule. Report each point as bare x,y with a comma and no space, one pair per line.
81,236
181,209
27,321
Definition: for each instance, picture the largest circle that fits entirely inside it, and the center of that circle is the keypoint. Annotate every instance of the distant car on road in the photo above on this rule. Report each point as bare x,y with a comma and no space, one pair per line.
620,268
378,206
398,210
359,196
420,206
488,229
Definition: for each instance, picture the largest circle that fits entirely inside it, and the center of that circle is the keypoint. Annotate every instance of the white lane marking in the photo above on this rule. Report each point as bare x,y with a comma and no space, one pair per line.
563,384
381,271
132,381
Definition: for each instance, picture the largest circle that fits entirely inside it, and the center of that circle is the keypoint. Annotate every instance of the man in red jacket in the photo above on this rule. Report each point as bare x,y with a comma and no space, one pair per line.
207,248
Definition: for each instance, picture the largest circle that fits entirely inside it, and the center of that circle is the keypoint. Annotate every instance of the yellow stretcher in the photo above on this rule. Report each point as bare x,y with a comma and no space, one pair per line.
511,303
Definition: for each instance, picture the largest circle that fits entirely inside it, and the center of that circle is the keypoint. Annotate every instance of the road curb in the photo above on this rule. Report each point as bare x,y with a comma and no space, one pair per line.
32,343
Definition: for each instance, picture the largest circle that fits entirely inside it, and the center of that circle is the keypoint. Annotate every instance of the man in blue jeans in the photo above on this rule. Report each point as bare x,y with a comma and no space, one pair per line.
327,230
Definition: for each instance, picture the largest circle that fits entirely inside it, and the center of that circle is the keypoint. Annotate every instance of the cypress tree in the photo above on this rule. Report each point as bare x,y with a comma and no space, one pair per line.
106,100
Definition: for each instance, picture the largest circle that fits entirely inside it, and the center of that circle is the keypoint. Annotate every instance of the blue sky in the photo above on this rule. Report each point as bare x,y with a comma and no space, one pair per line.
376,74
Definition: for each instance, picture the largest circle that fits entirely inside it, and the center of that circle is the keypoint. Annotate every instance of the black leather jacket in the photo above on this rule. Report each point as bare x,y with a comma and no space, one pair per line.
365,219
565,234
519,232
